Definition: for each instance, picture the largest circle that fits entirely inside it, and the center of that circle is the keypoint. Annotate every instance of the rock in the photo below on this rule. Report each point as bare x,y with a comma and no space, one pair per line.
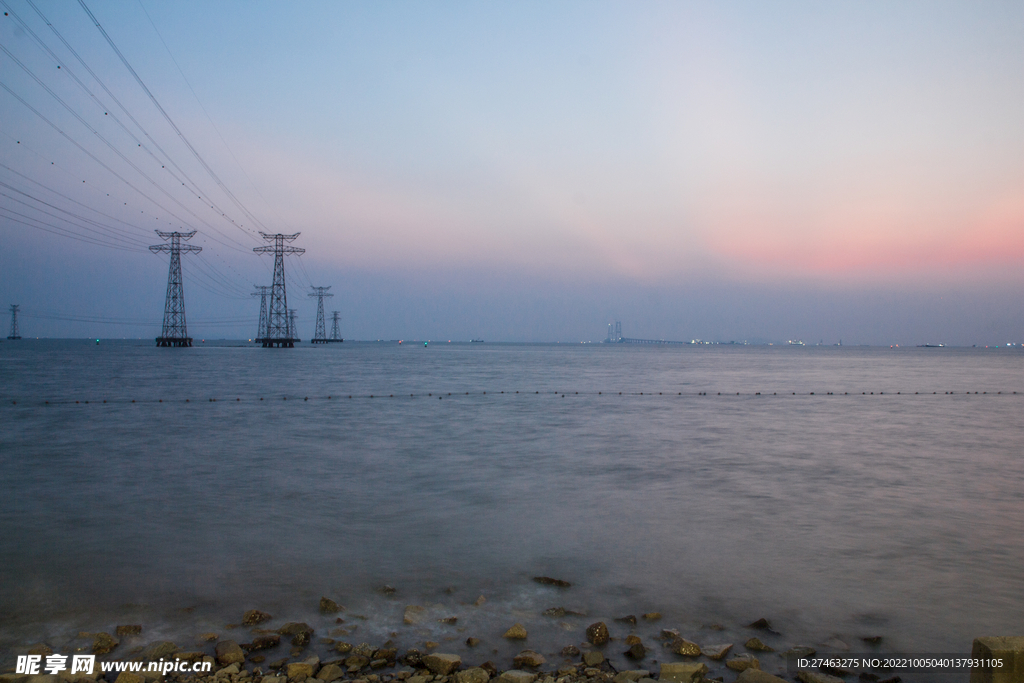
298,671
756,645
274,679
128,630
329,673
254,617
636,651
743,662
431,644
528,658
557,612
41,649
388,590
263,642
761,623
207,637
652,616
356,662
671,633
302,638
758,676
342,647
128,677
632,639
628,619
448,620
597,633
592,658
516,632
442,664
479,601
816,677
294,628
548,581
474,675
682,672
516,676
417,679
328,606
570,651
631,676
682,646
388,654
229,652
104,643
472,642
413,658
228,670
799,652
1009,649
159,650
716,652
413,614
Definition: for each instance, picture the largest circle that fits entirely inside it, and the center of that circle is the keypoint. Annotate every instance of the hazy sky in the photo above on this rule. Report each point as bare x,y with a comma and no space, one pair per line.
524,171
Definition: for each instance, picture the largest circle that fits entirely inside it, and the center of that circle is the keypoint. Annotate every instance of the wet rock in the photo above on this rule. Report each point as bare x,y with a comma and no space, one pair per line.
472,642
817,677
378,663
302,638
159,650
413,658
431,644
128,677
277,664
516,676
592,658
557,612
490,668
342,647
762,624
684,647
448,620
293,628
254,617
670,633
41,649
758,676
548,581
516,632
597,633
207,637
743,662
442,664
474,675
682,672
388,654
628,619
652,616
479,601
330,672
799,652
328,606
716,652
262,642
413,614
103,643
636,651
570,651
274,679
388,590
528,658
631,676
417,679
128,630
756,645
229,652
356,662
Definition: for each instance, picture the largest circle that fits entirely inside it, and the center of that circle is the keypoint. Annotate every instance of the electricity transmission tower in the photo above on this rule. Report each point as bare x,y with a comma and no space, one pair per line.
14,322
335,332
174,331
261,292
320,336
291,325
279,330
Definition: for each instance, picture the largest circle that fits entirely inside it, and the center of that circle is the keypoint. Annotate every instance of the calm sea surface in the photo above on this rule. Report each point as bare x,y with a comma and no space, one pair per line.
835,515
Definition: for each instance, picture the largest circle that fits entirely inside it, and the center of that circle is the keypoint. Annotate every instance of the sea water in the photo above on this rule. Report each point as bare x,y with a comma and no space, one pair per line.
839,492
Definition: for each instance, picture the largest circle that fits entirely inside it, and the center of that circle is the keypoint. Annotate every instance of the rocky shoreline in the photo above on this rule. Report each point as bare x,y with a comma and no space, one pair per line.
627,649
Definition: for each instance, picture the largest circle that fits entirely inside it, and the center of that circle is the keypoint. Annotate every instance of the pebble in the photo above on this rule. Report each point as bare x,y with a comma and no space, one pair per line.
716,652
516,632
328,606
756,645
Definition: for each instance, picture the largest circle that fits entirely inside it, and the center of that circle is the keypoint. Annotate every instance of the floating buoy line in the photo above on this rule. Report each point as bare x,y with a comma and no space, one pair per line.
481,394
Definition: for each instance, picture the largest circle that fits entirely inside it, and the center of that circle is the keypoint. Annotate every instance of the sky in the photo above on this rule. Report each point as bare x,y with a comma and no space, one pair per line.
520,171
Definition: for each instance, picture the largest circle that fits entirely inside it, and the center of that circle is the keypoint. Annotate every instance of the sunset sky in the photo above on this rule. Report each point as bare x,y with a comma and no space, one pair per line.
523,171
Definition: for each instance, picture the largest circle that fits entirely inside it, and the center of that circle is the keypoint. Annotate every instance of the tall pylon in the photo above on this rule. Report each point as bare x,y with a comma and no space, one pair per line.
291,325
14,322
320,336
279,332
261,330
174,331
335,328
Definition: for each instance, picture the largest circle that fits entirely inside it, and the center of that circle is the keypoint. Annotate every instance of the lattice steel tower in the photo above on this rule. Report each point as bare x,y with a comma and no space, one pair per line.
14,322
279,331
320,336
291,324
174,331
261,330
335,331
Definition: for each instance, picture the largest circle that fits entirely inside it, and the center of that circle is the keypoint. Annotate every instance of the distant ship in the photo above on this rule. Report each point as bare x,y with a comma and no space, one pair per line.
477,341
930,346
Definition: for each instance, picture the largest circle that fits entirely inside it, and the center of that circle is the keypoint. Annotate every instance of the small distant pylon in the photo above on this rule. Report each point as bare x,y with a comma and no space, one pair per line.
174,331
320,336
261,331
279,330
335,328
14,322
291,325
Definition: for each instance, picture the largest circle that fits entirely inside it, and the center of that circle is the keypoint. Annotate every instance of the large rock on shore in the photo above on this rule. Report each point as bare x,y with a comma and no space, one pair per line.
1008,649
682,646
756,645
743,662
592,657
159,650
516,676
104,643
682,672
229,652
516,632
328,606
716,652
597,633
442,664
330,672
474,675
